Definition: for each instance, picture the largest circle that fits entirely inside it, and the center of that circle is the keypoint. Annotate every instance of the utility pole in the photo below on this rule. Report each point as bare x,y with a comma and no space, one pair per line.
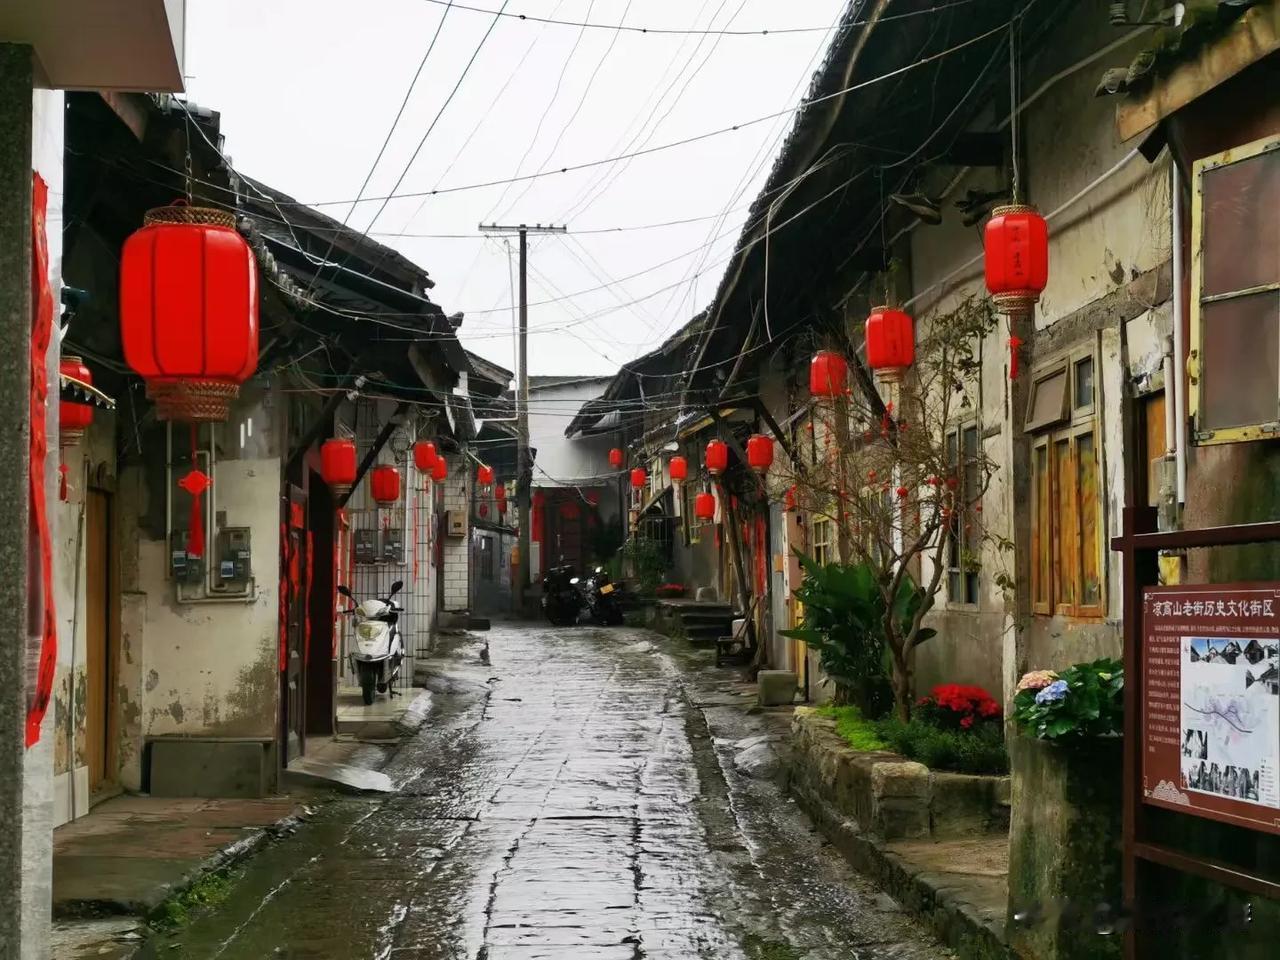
524,463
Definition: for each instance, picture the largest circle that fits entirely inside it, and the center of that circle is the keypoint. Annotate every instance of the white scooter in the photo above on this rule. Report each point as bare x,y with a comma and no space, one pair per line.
379,649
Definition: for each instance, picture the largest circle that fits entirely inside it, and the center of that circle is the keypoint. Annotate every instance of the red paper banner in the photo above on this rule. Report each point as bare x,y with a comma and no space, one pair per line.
42,630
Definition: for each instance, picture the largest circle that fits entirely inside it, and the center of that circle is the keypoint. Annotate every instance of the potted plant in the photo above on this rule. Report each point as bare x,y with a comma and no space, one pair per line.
1064,840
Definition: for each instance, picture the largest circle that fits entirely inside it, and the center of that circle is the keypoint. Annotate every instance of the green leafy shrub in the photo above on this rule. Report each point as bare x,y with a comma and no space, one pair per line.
1085,700
979,750
844,622
647,564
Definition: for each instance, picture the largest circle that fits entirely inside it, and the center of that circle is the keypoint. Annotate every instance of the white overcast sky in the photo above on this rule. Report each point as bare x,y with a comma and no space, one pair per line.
308,90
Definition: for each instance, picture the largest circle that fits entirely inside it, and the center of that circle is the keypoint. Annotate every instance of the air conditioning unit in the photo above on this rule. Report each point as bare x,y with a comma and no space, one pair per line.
455,523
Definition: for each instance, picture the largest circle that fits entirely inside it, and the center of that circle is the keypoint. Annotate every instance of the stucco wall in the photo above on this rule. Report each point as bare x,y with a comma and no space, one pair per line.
201,668
1118,231
564,461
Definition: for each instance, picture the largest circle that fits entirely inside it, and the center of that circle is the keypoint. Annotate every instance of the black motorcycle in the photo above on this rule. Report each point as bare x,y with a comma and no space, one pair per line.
561,601
603,601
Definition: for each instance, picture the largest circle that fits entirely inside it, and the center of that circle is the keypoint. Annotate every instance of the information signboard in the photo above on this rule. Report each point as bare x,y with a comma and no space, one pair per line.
1211,702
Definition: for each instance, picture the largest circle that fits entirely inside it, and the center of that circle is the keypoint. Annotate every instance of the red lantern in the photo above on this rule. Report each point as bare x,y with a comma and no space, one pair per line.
717,457
484,476
384,481
500,491
615,458
440,472
789,500
828,374
1016,250
74,418
484,509
891,343
760,453
679,468
424,456
338,464
189,310
704,506
638,478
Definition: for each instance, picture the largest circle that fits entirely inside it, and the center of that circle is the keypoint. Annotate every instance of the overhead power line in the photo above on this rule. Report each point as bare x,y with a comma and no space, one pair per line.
685,141
687,31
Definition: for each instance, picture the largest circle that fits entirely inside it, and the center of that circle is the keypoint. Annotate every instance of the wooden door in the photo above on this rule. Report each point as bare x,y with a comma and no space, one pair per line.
293,583
97,621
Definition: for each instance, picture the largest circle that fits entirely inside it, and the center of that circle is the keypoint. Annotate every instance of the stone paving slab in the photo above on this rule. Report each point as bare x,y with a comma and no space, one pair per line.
565,802
130,853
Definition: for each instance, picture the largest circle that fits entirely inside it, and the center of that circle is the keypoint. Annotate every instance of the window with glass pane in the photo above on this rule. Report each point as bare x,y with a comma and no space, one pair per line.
1236,292
1068,567
822,540
961,449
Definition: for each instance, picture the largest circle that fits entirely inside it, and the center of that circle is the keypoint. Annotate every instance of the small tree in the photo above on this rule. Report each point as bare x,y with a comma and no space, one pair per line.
889,473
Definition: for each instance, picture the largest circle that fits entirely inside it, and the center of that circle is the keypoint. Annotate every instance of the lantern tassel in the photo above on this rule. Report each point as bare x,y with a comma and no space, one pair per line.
1015,343
195,546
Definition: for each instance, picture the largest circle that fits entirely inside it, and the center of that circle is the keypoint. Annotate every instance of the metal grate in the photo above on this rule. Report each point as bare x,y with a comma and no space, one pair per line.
413,521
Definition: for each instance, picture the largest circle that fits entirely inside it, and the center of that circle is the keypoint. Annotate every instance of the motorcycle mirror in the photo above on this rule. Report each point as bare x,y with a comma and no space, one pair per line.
397,587
346,592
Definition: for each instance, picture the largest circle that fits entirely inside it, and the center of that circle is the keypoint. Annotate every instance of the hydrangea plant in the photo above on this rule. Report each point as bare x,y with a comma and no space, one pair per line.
1082,701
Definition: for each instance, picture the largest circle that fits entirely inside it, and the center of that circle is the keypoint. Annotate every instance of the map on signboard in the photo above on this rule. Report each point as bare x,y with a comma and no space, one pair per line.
1230,692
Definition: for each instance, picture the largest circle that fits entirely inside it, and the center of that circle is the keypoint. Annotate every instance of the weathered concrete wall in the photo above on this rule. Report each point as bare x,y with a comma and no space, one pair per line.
30,139
1118,232
564,461
94,454
201,668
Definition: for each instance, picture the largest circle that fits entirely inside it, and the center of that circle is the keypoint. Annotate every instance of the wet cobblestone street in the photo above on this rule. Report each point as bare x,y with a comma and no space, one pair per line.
563,802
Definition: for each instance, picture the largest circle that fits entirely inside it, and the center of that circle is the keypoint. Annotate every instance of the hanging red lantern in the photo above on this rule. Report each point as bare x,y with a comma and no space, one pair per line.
484,510
638,478
424,456
1016,251
891,343
74,418
828,374
616,458
760,453
679,468
789,499
484,476
500,492
338,464
717,457
903,493
440,472
384,482
189,310
704,506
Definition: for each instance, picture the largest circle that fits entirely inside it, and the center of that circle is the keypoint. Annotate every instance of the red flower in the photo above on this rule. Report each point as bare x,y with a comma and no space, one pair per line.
966,722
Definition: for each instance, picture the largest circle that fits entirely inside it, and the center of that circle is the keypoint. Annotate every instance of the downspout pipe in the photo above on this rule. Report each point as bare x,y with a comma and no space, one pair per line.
1179,384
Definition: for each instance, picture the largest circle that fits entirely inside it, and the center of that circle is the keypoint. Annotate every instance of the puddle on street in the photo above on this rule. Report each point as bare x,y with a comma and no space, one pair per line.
548,809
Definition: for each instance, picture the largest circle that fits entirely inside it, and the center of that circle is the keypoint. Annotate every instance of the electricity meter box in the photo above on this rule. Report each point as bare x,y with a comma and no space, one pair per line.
366,545
233,557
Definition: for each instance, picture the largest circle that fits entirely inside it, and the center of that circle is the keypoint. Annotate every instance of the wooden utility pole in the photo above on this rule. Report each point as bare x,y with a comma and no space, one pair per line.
524,463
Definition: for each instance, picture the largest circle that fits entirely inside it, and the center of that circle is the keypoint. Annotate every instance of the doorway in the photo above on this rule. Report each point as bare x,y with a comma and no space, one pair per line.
100,619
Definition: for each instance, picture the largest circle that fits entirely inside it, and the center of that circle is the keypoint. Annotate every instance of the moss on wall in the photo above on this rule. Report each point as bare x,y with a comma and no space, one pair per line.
1064,849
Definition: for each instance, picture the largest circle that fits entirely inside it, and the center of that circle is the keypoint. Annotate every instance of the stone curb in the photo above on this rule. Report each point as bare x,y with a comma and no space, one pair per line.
954,920
222,859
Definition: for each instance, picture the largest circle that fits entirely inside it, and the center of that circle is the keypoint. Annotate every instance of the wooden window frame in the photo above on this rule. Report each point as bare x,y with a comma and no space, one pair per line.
1239,434
828,543
1052,599
958,430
